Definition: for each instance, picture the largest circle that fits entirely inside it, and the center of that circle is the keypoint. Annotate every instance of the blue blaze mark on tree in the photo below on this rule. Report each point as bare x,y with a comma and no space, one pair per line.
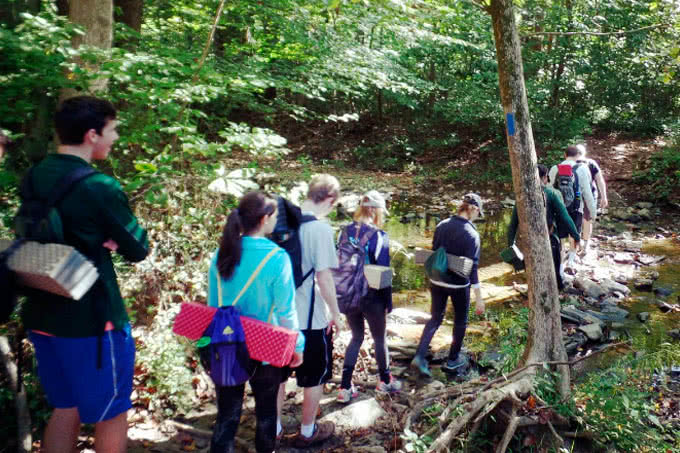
510,120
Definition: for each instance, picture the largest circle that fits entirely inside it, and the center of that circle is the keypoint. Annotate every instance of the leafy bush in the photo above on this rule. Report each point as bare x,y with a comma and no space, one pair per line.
167,381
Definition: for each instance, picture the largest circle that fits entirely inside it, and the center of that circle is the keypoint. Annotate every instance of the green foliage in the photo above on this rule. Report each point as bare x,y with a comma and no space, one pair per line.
512,333
618,403
415,443
34,56
394,156
163,357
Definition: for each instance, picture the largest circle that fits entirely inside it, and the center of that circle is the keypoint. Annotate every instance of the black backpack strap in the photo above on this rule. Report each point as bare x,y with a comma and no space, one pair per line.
26,189
311,305
66,183
304,219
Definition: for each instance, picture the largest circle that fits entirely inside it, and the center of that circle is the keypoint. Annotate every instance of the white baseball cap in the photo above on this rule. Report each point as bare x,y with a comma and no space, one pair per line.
373,199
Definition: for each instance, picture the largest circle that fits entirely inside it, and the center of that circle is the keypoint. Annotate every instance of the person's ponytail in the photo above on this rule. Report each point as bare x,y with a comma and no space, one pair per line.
229,254
242,221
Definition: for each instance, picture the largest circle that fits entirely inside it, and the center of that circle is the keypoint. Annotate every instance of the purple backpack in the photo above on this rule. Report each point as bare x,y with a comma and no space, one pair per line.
230,363
350,282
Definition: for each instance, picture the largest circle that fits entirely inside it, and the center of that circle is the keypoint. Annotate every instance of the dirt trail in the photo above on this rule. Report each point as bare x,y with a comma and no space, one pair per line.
619,157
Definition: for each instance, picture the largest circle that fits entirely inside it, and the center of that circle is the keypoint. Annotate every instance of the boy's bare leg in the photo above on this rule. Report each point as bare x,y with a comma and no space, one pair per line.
110,436
310,404
62,431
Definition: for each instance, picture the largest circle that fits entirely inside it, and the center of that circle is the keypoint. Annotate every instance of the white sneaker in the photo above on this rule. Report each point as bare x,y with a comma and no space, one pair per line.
346,395
392,387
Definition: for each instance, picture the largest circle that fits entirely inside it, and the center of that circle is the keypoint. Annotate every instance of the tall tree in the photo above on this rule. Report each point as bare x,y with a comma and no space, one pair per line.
130,13
544,346
96,17
545,326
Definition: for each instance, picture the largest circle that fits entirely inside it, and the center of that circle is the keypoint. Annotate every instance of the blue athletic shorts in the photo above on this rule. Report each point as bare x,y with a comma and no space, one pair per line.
67,368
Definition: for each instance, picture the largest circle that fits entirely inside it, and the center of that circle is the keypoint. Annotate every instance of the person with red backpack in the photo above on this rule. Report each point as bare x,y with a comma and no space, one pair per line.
376,303
573,180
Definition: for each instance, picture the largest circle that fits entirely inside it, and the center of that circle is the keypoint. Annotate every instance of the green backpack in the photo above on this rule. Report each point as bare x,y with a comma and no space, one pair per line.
437,266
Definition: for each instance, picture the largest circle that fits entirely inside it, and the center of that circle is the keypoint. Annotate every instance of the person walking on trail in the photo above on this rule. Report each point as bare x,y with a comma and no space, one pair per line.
84,349
573,181
317,309
556,214
599,189
242,248
368,219
458,236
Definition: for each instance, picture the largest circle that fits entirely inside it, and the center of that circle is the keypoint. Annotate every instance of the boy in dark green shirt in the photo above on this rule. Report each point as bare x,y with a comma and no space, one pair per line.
84,349
556,214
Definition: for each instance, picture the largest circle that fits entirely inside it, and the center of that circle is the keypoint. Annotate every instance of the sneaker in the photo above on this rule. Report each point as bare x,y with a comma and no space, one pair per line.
346,395
392,387
322,431
420,364
455,366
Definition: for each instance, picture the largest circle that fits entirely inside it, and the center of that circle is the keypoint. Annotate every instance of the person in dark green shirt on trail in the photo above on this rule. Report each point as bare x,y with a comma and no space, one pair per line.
558,219
84,349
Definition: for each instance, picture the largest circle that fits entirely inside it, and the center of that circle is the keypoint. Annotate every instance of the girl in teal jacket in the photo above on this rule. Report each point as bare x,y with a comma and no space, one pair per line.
243,247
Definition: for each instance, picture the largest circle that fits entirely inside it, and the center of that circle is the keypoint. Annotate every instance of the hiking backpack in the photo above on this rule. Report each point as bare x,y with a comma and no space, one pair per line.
350,282
566,181
226,357
37,219
286,235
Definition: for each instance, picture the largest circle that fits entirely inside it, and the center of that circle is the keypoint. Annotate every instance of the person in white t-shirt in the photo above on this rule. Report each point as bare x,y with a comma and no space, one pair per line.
317,309
599,190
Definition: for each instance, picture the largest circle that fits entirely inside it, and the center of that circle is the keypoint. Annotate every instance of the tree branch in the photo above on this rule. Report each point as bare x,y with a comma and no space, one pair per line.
594,33
509,431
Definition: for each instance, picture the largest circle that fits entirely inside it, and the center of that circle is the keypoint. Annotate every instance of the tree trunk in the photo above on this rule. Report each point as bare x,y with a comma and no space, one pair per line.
545,327
130,13
96,17
24,437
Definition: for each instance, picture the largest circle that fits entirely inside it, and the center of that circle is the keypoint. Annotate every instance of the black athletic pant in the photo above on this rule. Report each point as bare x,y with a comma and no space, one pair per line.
461,305
374,314
265,384
556,247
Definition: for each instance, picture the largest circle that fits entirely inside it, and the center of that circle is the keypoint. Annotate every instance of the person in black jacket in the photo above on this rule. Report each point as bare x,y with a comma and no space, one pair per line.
375,305
459,237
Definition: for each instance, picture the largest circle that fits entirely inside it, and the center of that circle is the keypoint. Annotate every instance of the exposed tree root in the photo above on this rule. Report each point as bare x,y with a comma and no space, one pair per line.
480,399
509,430
480,407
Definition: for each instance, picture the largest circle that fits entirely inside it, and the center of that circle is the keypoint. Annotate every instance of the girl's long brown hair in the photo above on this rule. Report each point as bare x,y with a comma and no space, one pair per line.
241,221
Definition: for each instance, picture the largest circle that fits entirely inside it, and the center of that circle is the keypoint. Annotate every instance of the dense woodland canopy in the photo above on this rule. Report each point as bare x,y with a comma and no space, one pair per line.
427,66
393,86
